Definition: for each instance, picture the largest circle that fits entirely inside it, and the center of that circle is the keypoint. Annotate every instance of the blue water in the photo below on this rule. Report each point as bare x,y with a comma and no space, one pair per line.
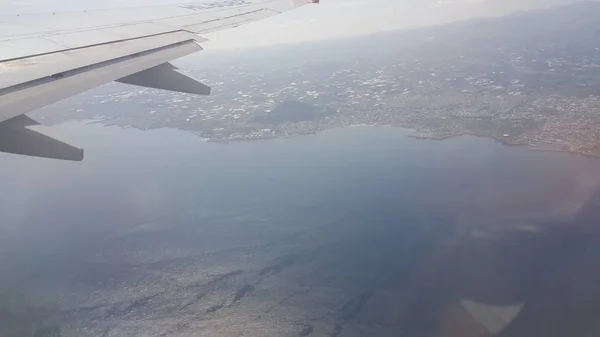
351,199
130,175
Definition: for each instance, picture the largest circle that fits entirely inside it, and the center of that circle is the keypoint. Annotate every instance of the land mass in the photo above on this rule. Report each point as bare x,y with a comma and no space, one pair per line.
529,78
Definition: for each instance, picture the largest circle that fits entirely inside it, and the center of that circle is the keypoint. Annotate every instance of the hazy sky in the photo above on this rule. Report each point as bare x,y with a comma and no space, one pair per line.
330,19
336,18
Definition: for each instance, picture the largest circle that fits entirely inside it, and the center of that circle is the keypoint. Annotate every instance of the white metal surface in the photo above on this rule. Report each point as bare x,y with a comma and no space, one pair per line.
106,35
14,49
24,70
61,31
33,95
82,20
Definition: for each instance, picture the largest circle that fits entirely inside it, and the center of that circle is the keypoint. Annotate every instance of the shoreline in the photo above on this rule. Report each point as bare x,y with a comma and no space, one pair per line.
412,132
586,154
508,143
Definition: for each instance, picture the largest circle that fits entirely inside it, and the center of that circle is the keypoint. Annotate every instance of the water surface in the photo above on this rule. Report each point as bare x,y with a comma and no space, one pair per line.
162,232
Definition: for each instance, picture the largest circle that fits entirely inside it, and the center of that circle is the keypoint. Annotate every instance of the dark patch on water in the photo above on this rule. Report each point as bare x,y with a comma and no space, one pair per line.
307,329
242,292
352,307
214,308
278,265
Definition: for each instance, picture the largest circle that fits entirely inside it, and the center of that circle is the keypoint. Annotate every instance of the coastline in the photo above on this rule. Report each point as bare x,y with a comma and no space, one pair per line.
411,132
509,143
586,154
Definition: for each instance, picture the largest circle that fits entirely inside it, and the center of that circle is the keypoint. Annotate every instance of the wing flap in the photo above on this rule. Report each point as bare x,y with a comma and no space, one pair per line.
35,94
166,77
16,137
32,68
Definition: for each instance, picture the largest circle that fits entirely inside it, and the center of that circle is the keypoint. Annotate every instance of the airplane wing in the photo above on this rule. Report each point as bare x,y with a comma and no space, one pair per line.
48,57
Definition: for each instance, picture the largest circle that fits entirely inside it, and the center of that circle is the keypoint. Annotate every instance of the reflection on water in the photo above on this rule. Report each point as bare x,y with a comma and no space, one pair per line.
352,232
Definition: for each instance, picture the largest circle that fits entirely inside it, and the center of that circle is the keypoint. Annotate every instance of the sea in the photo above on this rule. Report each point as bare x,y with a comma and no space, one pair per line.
160,232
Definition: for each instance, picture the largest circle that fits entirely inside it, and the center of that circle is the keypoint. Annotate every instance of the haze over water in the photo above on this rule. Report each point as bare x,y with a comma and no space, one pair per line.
124,242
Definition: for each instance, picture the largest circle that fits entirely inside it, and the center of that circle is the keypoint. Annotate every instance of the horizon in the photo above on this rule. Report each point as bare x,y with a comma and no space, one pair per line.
331,19
213,54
